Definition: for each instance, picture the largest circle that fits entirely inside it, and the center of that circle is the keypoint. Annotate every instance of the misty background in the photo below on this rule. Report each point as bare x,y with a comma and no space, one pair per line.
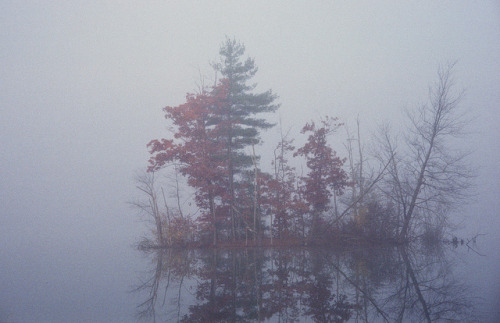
83,84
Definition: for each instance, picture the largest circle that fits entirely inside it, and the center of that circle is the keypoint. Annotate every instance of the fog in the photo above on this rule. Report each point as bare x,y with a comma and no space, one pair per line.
82,86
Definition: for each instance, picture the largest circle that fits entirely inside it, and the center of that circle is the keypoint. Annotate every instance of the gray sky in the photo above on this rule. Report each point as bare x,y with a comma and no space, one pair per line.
82,85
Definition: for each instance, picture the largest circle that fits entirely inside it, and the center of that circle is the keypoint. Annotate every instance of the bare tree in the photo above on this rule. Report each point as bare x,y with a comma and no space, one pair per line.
356,169
427,176
145,182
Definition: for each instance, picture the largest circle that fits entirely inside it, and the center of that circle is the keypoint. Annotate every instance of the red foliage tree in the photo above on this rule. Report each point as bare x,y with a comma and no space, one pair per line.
199,150
279,195
325,175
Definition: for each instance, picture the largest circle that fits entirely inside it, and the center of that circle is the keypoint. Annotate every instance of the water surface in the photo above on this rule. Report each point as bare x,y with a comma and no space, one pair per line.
415,284
111,281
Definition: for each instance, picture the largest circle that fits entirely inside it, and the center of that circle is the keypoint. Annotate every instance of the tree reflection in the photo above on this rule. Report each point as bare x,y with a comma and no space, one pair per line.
433,292
166,279
294,285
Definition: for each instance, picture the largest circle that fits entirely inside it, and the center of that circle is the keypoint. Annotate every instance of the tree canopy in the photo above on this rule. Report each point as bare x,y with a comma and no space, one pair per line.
213,146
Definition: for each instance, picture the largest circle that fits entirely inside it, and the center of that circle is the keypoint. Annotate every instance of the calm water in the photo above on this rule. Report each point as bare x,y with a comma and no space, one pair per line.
312,285
116,283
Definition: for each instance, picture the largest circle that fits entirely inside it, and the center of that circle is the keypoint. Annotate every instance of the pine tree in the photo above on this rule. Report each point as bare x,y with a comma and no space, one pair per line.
242,126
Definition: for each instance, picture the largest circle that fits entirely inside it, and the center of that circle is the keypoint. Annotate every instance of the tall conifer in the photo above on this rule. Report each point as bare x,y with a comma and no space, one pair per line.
240,118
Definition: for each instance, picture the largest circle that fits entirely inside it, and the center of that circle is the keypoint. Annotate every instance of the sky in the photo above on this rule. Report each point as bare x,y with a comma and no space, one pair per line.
83,84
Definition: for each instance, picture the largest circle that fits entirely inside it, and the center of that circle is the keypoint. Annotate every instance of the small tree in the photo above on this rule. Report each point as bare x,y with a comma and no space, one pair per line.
146,183
198,149
325,175
279,193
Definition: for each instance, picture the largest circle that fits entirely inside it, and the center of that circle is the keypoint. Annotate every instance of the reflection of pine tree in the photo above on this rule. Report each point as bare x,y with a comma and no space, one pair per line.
229,287
305,285
212,291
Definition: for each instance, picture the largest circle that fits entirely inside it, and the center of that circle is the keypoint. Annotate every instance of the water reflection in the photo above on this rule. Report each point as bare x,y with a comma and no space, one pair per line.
303,285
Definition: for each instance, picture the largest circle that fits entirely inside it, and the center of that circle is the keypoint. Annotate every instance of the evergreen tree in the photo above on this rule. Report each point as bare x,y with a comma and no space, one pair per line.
239,118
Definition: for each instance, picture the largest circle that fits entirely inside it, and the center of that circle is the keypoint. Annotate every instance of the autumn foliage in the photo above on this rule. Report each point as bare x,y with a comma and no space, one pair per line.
290,205
198,149
299,197
326,176
212,134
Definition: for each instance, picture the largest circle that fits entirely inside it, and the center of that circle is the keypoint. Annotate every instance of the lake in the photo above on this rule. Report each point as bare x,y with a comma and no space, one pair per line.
115,282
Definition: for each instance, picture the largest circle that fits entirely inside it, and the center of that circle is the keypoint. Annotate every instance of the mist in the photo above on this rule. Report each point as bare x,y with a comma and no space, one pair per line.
83,84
